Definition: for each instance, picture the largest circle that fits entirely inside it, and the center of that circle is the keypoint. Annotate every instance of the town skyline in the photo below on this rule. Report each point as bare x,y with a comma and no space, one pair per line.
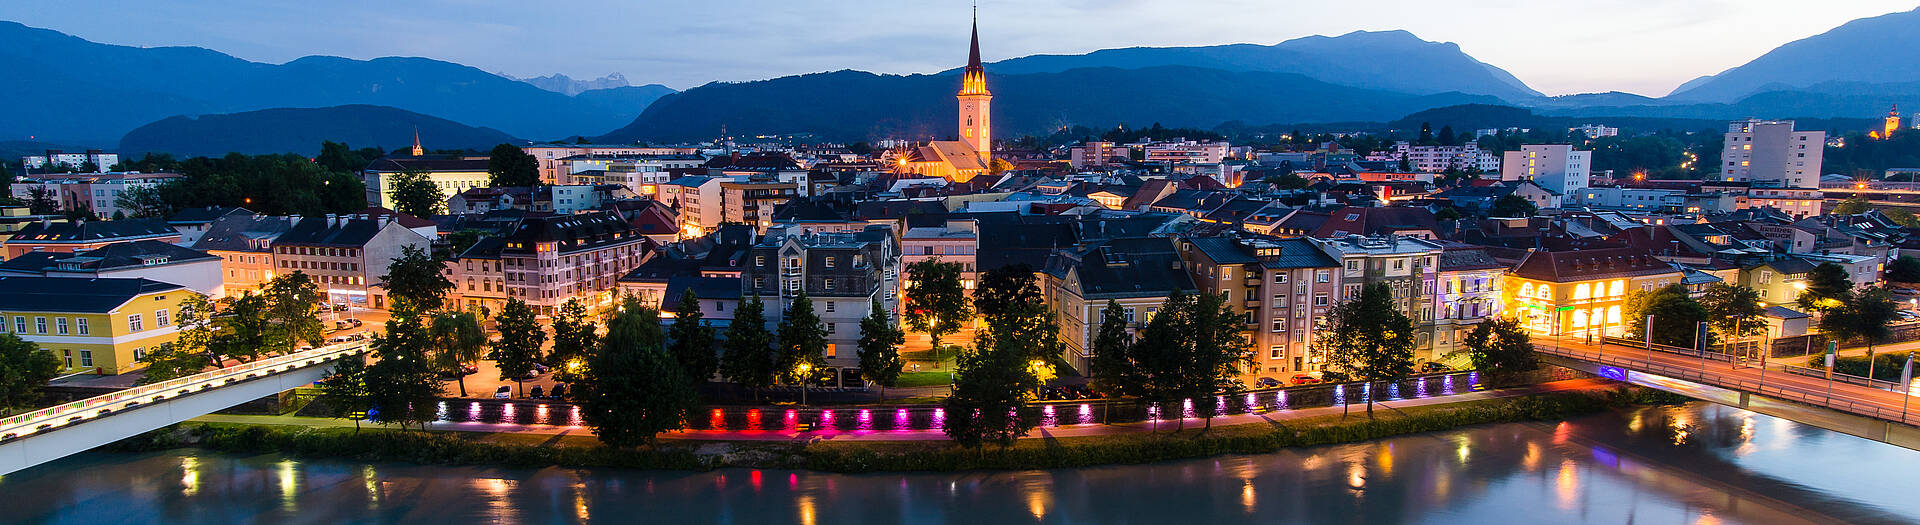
1583,53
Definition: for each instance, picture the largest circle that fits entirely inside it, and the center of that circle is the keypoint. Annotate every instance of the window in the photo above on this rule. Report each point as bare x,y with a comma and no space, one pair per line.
160,318
1319,299
39,325
829,262
719,306
829,284
1353,266
1279,324
67,356
139,353
1277,352
830,303
1322,276
19,325
135,324
1280,278
1129,315
86,358
60,325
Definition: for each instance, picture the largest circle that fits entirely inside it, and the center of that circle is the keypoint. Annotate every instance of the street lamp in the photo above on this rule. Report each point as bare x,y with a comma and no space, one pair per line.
802,369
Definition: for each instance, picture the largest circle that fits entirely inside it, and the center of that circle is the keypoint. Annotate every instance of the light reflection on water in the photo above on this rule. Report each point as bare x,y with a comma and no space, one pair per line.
1731,467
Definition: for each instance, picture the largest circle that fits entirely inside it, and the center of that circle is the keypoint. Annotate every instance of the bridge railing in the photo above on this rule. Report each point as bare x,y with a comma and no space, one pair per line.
1825,399
26,423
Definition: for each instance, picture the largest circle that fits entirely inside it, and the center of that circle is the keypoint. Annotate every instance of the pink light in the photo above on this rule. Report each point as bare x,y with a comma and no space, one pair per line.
756,480
753,419
793,480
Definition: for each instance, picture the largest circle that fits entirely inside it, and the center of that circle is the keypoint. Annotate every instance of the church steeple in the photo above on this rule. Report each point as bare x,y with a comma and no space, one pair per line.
417,150
974,80
1893,122
976,103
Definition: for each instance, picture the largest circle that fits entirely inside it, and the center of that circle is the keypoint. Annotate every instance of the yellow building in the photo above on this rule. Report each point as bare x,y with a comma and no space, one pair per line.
1581,293
451,174
99,325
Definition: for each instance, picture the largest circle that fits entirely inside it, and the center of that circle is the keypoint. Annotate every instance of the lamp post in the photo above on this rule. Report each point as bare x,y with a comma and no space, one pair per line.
802,370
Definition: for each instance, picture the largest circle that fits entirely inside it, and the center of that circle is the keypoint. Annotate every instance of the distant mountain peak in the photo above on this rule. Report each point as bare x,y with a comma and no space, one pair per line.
565,85
1877,49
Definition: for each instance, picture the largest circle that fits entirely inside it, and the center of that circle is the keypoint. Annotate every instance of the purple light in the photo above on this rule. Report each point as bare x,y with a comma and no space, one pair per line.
1086,413
901,421
826,418
790,420
940,418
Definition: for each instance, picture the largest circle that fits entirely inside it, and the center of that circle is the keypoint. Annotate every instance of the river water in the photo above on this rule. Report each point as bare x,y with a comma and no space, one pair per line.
1697,463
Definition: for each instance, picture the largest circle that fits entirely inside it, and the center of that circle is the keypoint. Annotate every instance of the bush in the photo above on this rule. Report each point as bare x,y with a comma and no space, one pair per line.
1886,368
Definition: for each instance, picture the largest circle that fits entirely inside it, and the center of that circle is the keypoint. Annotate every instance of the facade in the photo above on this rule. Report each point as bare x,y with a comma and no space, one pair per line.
641,173
697,199
451,174
546,261
1594,131
60,159
842,273
1798,202
1466,293
80,236
1635,199
1581,293
1435,159
244,244
1140,273
1769,153
1408,266
1284,287
196,270
98,325
753,202
956,241
556,160
1557,167
345,255
95,192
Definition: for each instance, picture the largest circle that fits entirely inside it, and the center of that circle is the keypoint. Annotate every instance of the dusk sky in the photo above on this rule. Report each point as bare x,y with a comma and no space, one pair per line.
1556,46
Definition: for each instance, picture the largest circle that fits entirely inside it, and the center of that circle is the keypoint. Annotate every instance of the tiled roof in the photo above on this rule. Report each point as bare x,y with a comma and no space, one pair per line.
114,256
235,233
67,294
91,231
431,164
1590,264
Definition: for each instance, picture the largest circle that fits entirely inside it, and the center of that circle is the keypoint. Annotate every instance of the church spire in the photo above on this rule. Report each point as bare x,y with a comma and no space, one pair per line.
973,52
417,151
973,80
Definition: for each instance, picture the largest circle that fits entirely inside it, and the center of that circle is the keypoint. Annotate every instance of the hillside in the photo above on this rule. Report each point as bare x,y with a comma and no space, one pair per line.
1873,50
301,130
63,88
856,105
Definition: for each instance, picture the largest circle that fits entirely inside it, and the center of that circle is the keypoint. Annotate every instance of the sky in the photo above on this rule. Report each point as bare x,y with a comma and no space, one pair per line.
1557,46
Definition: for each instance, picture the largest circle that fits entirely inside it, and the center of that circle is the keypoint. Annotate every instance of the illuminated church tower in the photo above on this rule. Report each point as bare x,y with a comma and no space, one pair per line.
1893,122
976,113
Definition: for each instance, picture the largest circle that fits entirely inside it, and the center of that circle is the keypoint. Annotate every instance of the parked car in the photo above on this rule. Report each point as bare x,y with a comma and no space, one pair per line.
536,393
1304,379
340,307
559,393
1334,377
504,392
1267,382
1433,366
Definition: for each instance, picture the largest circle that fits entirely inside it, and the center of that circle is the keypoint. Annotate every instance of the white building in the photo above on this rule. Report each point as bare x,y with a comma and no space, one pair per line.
641,173
101,161
1557,167
555,159
1186,152
1769,153
1435,159
1617,198
1594,131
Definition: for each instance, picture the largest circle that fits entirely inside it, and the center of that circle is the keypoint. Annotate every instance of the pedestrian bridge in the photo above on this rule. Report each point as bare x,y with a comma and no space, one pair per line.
52,433
1876,410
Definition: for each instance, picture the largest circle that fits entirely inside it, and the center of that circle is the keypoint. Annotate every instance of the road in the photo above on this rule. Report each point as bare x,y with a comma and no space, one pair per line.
1772,381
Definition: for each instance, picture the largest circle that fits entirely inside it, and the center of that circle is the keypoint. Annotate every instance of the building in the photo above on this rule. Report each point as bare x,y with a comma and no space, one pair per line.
1467,292
843,274
1626,198
546,261
1436,158
1138,272
697,200
1185,152
954,241
972,155
1581,292
194,222
1556,167
1594,131
1284,287
80,236
244,244
452,174
1770,153
98,193
1408,266
196,270
557,161
1094,154
752,202
345,255
98,325
643,174
92,160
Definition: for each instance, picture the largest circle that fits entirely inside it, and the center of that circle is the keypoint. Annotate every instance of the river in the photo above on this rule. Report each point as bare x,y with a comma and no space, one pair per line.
1696,463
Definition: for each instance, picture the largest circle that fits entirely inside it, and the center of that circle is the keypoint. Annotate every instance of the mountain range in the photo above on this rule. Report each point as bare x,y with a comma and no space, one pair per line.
301,130
74,91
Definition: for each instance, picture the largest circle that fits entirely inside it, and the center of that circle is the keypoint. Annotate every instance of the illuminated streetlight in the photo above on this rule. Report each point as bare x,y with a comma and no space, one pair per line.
801,370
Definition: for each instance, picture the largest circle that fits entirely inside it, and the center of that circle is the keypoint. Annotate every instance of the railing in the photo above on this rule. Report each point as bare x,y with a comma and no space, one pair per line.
1821,397
57,415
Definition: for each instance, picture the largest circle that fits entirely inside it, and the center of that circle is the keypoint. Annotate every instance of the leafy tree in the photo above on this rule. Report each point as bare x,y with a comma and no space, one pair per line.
1865,316
1447,214
1288,181
144,201
520,342
292,312
403,386
692,343
803,341
24,369
1501,349
1368,338
634,389
1676,316
1159,354
1733,311
1851,206
1003,287
1827,287
187,353
416,282
1902,217
458,340
345,389
1113,368
459,241
510,166
242,331
414,194
748,357
1219,351
879,344
936,300
574,338
1512,206
42,201
993,378
1905,269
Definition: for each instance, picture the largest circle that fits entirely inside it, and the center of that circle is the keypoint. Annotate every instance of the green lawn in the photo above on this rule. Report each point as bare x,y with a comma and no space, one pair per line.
927,378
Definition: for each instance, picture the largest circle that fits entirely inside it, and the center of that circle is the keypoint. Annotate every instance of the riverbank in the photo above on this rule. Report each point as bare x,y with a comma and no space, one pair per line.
1042,451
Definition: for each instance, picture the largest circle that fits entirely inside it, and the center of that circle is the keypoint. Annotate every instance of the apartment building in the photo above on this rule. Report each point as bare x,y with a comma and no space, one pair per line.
1770,153
80,236
556,160
1466,292
1139,272
1408,266
843,274
99,325
1581,292
1284,287
346,255
452,174
196,270
545,261
244,244
752,202
1557,167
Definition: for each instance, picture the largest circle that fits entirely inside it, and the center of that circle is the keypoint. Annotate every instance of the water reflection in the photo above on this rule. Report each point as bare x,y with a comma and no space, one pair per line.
1731,467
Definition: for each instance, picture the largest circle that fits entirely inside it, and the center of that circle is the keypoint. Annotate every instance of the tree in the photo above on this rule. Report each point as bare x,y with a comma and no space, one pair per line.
416,282
748,357
1368,338
1113,368
520,341
414,194
692,341
242,331
1288,181
187,353
24,370
1827,287
1851,206
508,166
1003,287
803,341
42,201
1447,214
994,377
936,300
345,389
574,338
1512,206
1865,316
292,312
1219,351
1904,218
634,389
1905,269
143,201
1733,311
458,340
404,385
1501,349
879,348
1676,316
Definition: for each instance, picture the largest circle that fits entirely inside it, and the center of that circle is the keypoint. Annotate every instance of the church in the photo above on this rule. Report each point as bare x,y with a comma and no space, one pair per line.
972,155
